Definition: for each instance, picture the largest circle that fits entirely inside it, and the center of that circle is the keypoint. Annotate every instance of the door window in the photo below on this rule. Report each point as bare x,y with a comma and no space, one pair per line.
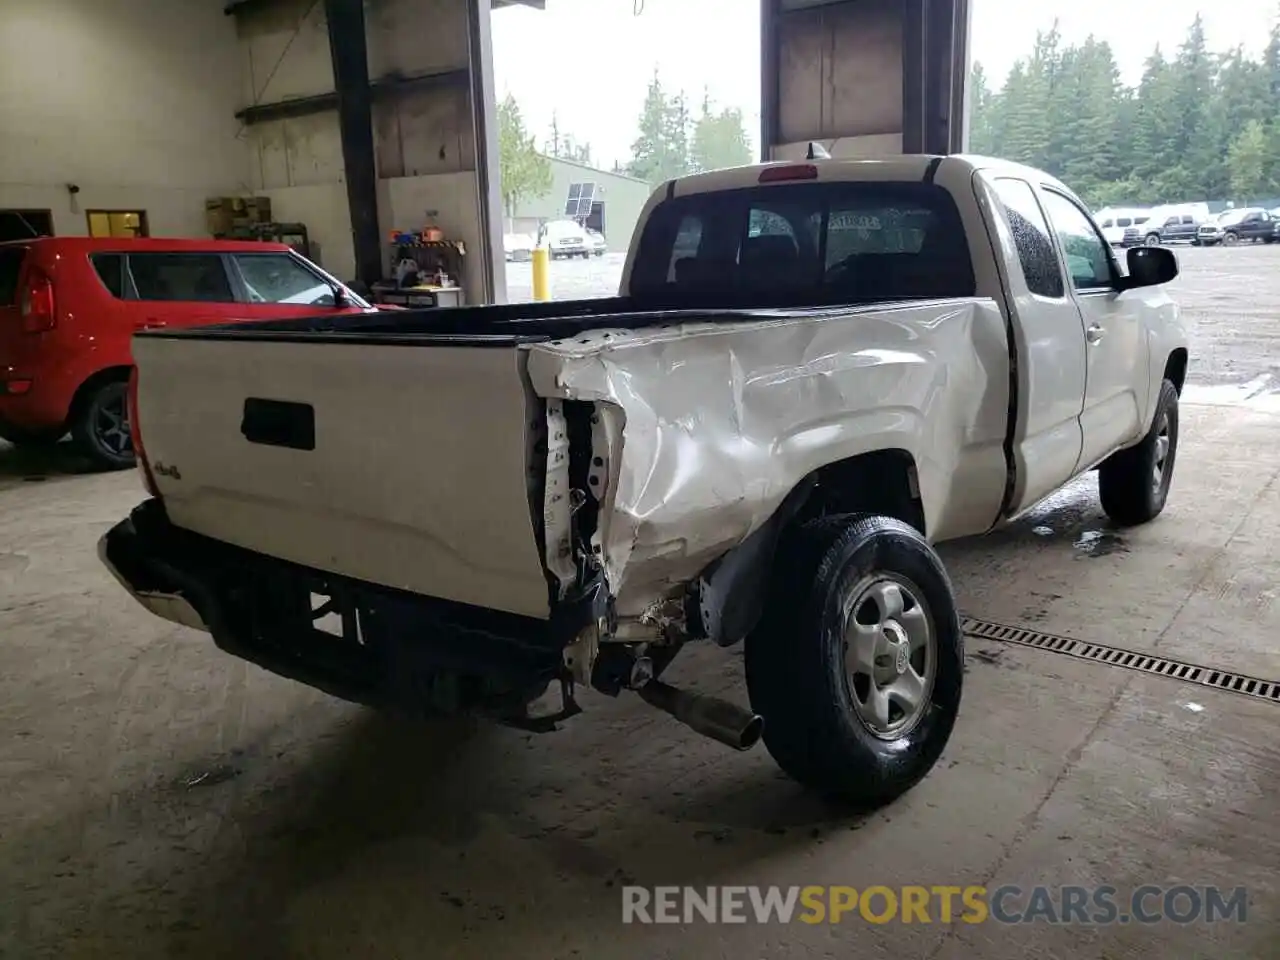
197,277
1031,237
279,278
1087,255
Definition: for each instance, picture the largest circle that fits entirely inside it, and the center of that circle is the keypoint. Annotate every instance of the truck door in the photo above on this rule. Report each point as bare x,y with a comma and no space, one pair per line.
1115,344
1049,334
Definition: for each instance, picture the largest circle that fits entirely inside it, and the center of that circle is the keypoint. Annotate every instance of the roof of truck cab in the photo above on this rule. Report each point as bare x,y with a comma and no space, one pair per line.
149,245
903,167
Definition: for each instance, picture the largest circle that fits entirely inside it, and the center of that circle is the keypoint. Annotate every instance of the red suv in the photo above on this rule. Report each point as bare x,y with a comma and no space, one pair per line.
69,306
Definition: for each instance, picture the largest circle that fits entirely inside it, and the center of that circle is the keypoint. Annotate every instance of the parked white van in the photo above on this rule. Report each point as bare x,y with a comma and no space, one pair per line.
1115,222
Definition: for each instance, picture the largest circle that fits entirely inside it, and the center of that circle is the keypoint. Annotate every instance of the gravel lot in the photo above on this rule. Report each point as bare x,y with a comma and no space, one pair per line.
1230,299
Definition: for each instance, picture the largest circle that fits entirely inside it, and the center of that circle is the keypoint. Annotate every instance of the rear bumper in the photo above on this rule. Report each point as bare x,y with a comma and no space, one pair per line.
397,650
32,403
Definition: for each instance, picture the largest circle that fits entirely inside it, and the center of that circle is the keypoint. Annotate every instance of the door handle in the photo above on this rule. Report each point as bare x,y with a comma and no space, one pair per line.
1094,334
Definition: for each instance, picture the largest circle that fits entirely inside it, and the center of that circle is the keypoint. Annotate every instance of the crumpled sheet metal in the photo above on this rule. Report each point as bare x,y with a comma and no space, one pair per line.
719,421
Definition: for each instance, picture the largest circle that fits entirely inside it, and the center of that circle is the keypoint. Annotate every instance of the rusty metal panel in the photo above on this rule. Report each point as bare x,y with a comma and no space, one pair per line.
840,70
864,75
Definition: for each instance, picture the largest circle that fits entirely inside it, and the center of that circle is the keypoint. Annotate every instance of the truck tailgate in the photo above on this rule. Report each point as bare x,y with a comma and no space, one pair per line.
402,465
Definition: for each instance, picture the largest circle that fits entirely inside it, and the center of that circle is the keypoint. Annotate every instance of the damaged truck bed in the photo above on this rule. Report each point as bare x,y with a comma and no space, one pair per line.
461,509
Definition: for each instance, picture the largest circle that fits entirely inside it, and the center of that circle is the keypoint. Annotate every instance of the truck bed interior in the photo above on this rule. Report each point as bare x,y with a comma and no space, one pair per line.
508,324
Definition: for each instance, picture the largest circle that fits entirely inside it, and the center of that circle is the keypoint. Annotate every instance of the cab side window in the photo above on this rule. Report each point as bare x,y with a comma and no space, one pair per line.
1031,237
1088,258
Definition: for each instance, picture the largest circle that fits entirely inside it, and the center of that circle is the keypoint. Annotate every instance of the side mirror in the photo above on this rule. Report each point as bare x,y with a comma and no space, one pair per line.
340,299
1149,267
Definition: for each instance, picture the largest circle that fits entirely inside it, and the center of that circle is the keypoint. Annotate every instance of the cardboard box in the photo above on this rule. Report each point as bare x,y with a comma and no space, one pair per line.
218,221
258,209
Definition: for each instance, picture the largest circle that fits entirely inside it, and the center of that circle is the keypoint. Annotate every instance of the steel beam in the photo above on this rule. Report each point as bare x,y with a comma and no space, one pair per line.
484,122
348,50
384,88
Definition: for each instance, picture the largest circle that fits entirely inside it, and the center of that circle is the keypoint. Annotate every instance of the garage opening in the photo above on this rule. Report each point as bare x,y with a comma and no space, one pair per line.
25,224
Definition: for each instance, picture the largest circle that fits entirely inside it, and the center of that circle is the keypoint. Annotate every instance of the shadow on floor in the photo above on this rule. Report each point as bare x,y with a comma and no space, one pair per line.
227,858
36,464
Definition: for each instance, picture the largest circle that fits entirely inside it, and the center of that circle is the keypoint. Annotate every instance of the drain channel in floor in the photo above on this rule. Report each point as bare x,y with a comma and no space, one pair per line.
1268,690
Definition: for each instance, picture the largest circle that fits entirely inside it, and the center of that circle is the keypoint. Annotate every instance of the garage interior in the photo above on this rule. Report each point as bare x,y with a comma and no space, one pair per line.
165,800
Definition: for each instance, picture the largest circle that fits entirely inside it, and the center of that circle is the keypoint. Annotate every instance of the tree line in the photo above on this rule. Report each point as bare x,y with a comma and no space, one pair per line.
672,141
1198,126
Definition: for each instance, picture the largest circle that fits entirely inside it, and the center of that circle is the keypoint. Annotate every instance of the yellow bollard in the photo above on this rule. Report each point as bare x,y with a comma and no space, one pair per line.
541,273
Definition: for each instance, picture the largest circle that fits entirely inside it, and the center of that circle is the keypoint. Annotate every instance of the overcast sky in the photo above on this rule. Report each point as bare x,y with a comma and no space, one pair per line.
590,61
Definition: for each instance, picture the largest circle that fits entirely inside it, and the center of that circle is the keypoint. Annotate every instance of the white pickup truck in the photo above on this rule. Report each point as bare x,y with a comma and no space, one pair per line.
814,371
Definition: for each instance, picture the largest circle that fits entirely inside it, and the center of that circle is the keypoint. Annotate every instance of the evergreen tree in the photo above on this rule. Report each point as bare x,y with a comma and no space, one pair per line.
1249,162
719,139
658,154
1200,126
523,171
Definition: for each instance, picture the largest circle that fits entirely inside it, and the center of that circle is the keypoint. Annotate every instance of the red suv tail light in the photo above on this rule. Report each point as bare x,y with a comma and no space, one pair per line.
135,434
38,307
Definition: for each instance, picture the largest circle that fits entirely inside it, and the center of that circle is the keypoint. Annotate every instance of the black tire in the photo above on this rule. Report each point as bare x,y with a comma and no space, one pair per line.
1131,490
1195,243
1151,240
797,677
100,426
1230,239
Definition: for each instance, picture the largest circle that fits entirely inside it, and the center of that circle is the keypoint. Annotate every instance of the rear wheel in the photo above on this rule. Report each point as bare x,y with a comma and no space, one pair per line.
857,664
100,427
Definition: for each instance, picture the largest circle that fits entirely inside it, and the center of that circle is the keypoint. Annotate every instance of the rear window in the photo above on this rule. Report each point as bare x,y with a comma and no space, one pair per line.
10,266
811,242
110,268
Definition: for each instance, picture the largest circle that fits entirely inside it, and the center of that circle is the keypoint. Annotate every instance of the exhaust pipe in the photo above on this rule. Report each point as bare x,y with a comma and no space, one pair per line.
710,716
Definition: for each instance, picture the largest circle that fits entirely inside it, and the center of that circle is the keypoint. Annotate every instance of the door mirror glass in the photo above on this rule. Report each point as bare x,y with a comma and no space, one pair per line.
1150,267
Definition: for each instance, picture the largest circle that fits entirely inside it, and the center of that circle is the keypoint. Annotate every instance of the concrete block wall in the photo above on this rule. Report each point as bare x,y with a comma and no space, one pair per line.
131,100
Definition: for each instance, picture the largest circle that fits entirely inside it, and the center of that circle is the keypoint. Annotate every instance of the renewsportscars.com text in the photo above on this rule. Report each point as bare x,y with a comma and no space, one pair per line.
1091,906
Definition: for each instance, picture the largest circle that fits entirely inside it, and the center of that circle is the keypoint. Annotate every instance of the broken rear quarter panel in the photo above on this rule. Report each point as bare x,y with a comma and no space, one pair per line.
723,420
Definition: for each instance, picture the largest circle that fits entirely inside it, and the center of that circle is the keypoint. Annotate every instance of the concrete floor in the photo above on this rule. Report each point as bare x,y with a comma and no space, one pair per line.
162,799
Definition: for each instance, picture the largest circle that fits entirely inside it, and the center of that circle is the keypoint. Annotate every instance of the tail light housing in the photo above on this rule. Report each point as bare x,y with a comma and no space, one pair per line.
135,434
38,305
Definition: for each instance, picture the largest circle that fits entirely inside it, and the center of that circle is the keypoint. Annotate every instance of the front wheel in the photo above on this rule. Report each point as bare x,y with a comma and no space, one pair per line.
100,426
1152,240
858,662
1133,484
1231,239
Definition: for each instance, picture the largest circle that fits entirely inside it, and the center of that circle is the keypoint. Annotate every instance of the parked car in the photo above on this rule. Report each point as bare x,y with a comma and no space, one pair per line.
756,443
518,247
1175,228
1121,227
599,246
69,306
565,238
1233,226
